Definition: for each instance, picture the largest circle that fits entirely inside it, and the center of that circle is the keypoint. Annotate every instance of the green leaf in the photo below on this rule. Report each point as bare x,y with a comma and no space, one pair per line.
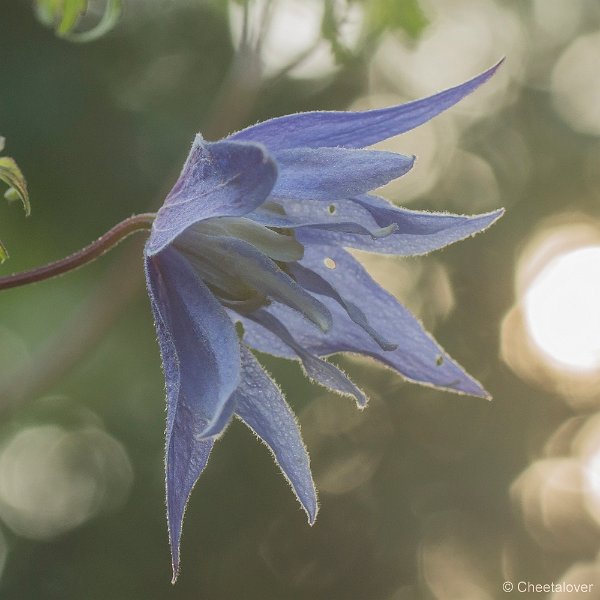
112,14
12,195
71,12
64,16
406,15
47,11
17,188
3,253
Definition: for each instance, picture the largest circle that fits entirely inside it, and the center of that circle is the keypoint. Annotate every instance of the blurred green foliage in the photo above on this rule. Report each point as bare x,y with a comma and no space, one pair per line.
406,15
380,16
64,16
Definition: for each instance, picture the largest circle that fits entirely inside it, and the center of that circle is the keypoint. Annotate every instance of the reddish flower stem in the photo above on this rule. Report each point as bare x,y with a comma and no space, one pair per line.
103,244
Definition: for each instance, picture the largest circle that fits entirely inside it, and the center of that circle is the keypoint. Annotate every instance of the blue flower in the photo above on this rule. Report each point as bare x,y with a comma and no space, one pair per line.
253,233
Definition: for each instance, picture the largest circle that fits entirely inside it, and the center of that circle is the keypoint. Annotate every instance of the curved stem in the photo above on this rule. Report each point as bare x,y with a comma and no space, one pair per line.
104,243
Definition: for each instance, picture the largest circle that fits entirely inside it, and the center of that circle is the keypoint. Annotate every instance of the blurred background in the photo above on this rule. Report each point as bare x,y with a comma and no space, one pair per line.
423,495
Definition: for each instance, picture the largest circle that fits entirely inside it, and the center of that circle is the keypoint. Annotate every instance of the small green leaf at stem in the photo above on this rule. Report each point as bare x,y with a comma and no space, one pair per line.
14,179
12,176
3,253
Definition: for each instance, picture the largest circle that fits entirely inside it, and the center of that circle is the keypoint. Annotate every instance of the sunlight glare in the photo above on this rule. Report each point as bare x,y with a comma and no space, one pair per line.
562,309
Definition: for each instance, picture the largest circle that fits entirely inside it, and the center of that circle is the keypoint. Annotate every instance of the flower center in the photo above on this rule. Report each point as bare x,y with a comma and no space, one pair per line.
240,260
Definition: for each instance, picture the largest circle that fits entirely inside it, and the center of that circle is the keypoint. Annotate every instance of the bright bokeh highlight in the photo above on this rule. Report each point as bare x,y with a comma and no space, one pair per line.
562,309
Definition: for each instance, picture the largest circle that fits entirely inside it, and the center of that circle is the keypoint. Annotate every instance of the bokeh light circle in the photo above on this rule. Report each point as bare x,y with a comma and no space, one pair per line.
575,85
53,480
562,309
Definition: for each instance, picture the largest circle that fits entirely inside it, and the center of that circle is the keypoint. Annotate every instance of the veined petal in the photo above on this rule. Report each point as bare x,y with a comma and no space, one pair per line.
415,233
317,369
186,459
200,354
335,173
355,129
242,261
201,333
218,179
262,407
313,282
418,357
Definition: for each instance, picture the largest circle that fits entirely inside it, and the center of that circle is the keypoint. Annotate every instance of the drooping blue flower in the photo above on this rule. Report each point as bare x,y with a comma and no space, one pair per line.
254,232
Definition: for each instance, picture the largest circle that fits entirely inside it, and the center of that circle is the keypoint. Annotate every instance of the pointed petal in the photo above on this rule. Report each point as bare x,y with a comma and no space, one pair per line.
358,129
419,232
313,282
317,369
200,354
200,332
185,461
410,232
218,179
261,406
418,357
335,173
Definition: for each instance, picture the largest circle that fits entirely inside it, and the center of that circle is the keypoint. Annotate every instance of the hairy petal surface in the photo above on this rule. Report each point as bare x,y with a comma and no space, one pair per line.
355,129
218,179
313,282
409,232
262,407
257,236
418,357
335,173
317,369
201,362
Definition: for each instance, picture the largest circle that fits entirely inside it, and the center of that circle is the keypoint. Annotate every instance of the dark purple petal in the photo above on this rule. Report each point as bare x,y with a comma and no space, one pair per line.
218,179
335,173
354,129
262,407
317,369
418,357
201,362
415,232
